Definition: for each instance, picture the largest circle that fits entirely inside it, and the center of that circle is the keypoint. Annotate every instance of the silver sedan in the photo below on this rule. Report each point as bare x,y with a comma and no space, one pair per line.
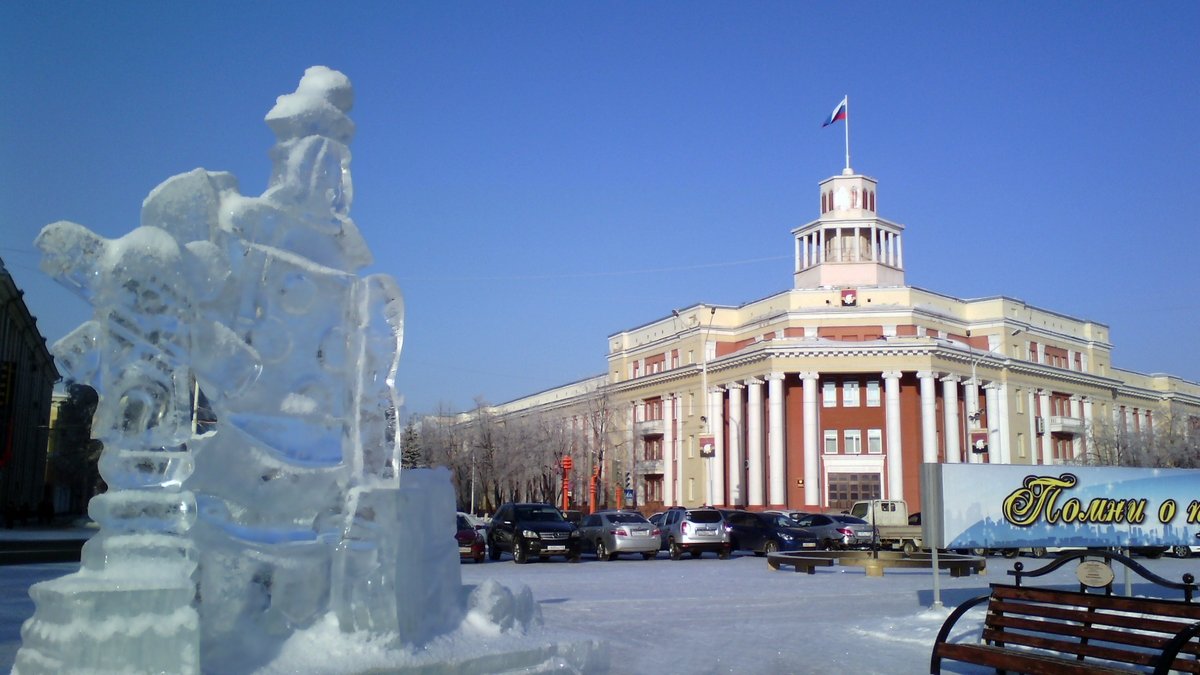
611,533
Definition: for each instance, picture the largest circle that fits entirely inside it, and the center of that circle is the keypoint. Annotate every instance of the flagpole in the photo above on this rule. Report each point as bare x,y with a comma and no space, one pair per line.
847,133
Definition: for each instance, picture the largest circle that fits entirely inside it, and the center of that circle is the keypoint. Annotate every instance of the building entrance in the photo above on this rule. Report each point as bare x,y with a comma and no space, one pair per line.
847,488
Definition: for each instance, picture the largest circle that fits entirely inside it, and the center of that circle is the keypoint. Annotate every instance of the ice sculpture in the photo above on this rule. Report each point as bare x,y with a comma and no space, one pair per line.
248,412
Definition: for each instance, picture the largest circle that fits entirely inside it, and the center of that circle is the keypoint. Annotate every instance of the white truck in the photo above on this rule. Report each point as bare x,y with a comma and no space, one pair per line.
890,518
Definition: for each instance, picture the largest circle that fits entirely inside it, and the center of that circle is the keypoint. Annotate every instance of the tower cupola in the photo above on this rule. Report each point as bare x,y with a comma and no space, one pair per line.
849,246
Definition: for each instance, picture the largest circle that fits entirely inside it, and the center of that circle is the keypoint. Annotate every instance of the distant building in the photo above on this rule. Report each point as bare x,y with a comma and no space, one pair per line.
840,387
27,377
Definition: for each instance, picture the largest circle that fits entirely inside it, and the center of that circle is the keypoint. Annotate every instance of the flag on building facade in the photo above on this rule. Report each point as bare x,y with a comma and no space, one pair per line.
839,113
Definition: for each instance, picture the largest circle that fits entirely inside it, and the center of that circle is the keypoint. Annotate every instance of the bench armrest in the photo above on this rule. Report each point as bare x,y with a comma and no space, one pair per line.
1171,649
935,661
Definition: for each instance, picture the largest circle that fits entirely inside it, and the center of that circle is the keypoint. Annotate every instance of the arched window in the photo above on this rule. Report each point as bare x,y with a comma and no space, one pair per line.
823,209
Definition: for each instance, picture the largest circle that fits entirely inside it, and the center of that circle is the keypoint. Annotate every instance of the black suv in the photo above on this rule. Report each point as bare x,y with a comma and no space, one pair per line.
526,530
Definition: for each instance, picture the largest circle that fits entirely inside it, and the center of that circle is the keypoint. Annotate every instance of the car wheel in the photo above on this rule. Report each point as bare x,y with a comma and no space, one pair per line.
493,550
1152,553
1010,552
649,556
520,554
981,552
827,545
676,552
771,547
1037,551
910,547
602,551
723,554
1181,551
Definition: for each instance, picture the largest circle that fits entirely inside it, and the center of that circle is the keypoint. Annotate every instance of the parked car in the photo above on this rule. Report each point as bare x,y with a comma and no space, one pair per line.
574,517
610,533
765,533
837,531
794,515
694,531
470,540
656,518
532,530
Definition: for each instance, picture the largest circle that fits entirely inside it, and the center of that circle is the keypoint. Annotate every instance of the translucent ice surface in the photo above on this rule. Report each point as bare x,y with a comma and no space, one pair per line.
247,381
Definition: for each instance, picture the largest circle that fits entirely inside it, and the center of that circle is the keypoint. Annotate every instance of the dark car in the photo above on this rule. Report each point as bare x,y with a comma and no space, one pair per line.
532,530
765,533
470,540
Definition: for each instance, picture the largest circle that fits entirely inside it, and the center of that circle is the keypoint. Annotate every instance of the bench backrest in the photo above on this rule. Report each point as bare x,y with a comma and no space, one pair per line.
1090,626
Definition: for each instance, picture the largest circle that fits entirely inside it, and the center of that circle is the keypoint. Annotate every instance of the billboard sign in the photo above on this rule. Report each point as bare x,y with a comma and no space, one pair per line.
1010,506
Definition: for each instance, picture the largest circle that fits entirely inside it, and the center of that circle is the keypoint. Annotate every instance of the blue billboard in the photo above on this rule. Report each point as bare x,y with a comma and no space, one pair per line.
1011,506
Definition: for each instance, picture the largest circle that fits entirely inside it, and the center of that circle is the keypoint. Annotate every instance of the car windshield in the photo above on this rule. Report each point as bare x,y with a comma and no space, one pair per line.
463,523
783,521
541,514
704,516
626,518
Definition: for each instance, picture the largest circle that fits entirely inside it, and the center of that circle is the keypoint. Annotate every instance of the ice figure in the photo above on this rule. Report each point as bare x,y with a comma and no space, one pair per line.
248,412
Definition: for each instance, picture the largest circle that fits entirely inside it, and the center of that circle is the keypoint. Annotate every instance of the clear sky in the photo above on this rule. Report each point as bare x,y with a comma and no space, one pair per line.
540,175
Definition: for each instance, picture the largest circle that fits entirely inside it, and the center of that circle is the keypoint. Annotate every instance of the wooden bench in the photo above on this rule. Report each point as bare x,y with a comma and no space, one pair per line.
1045,630
801,562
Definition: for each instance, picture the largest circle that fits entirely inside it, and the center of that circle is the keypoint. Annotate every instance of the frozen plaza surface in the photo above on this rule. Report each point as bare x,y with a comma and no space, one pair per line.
693,616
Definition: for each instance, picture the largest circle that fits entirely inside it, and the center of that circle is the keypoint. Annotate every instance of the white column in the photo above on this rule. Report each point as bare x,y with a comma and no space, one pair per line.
950,402
799,254
1047,442
929,450
1035,441
1077,440
1088,421
974,416
812,474
754,450
717,464
891,413
899,252
777,493
1002,422
669,450
631,455
998,453
737,429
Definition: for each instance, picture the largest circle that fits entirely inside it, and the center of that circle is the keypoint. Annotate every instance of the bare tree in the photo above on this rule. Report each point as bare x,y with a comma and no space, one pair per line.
1173,441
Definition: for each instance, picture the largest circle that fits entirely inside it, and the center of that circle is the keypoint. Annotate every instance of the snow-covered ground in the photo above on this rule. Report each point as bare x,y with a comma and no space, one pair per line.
689,616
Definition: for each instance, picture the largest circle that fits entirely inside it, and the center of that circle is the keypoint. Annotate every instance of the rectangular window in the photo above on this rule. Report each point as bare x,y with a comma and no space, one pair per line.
851,398
875,441
831,443
1021,450
691,404
1020,401
829,393
873,393
691,489
853,438
654,488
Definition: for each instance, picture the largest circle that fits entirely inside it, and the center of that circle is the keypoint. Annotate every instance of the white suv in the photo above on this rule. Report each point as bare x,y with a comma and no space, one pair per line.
694,531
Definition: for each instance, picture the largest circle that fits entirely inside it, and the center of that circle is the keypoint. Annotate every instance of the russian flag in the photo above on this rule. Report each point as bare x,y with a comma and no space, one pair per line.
839,113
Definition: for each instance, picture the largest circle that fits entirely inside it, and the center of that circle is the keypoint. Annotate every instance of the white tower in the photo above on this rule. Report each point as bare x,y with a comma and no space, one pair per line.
849,246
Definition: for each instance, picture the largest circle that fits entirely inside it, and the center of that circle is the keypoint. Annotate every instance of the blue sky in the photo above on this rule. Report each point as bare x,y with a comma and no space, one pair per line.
539,175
